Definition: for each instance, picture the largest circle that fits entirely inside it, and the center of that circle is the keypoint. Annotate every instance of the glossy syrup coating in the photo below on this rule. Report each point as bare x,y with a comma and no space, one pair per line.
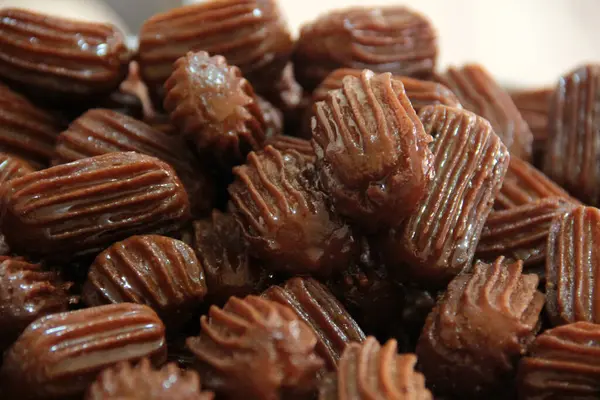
525,184
438,240
223,252
480,93
28,292
382,39
158,271
256,349
571,157
144,382
251,34
562,364
481,326
101,131
215,106
285,143
80,208
60,355
13,167
319,308
372,152
288,223
572,269
56,58
371,371
521,233
26,130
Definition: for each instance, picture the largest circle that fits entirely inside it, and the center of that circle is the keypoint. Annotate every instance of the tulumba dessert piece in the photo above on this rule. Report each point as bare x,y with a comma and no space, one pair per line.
562,364
480,93
288,223
534,106
26,130
318,307
223,252
215,106
438,240
382,39
369,371
13,167
81,207
57,59
257,349
481,326
251,34
572,267
58,356
372,152
144,382
571,157
28,292
285,143
102,131
154,270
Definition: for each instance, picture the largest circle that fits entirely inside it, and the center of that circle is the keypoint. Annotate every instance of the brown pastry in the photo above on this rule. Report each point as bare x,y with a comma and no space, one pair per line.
480,327
439,239
372,152
101,131
288,96
480,93
319,308
80,208
13,167
26,130
143,382
369,371
223,252
382,39
572,269
27,292
571,153
521,233
273,117
54,58
59,355
525,184
251,34
215,106
158,271
285,143
563,364
534,106
286,220
256,349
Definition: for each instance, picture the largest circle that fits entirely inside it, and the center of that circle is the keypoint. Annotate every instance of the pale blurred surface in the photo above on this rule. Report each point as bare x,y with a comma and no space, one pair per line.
522,42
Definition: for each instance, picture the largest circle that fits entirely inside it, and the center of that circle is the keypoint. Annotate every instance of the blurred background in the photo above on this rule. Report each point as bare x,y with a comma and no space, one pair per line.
522,42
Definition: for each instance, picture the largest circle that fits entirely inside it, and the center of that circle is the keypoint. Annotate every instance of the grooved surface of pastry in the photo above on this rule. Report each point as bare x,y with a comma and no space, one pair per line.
13,167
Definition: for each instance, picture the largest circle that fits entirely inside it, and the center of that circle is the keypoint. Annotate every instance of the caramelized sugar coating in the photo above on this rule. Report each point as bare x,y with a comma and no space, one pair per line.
382,39
56,58
215,106
13,167
571,158
58,356
525,184
572,270
438,240
223,252
26,130
286,220
158,271
318,307
372,152
562,363
27,292
480,93
102,131
251,34
521,233
369,371
479,329
144,382
256,349
80,208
